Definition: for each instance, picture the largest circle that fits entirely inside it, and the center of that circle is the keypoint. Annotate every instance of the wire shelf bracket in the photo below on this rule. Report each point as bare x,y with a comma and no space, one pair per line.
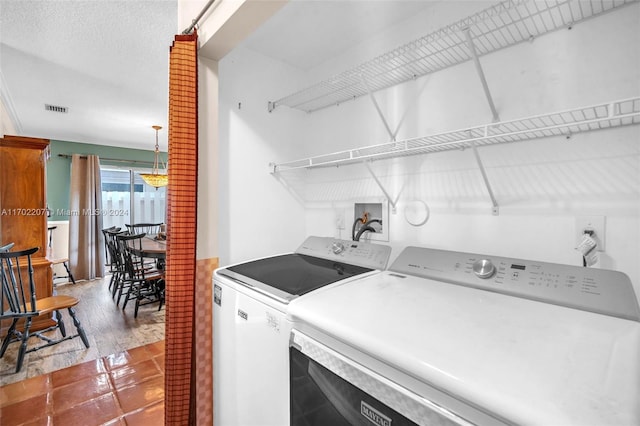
483,80
495,210
392,137
391,201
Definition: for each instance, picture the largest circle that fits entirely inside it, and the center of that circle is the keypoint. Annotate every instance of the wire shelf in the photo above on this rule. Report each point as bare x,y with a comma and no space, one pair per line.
565,123
502,25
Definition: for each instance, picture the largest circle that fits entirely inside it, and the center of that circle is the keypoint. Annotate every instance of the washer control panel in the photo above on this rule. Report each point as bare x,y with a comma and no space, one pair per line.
375,256
595,290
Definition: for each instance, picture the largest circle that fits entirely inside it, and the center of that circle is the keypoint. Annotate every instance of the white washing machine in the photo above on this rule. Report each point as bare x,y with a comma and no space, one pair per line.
251,333
458,338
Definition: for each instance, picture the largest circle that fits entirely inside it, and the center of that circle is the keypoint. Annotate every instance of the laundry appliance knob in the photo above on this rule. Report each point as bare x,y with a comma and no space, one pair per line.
337,248
483,268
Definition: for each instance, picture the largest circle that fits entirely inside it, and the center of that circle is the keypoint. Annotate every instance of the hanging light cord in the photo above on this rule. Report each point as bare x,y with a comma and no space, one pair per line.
155,160
155,178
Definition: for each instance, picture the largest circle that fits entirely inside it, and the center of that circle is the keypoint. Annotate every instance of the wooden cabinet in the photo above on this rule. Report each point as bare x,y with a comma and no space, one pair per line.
23,203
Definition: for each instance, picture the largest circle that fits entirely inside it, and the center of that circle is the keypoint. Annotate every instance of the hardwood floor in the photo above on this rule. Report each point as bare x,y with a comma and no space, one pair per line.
109,330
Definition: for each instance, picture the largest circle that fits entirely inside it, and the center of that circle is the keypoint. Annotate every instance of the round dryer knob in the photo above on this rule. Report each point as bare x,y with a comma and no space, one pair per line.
483,268
337,247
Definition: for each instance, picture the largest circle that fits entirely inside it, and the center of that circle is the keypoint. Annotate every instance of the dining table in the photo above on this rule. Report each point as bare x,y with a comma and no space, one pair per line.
153,248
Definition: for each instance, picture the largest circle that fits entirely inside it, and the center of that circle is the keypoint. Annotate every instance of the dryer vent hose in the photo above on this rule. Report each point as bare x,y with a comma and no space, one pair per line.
365,227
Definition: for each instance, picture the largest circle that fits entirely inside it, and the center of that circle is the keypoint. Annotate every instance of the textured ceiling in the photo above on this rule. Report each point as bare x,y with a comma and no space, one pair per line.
107,61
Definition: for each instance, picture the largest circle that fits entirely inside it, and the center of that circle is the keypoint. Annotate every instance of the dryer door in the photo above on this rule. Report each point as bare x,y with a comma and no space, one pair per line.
326,388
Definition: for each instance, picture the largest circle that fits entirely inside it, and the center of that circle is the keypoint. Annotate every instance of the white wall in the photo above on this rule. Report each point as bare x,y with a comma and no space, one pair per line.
220,28
258,213
541,185
208,160
6,124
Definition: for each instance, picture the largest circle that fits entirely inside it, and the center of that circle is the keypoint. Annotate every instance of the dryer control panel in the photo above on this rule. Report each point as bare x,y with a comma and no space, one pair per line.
596,290
367,255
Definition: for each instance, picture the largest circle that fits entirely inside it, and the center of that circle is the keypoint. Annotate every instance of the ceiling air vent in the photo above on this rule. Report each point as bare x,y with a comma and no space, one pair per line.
56,108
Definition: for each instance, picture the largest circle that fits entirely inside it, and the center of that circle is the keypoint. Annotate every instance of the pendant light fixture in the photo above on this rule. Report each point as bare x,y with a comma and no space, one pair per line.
155,178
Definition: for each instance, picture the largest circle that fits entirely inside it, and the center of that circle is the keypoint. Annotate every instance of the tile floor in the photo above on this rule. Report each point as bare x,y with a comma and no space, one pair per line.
126,388
119,380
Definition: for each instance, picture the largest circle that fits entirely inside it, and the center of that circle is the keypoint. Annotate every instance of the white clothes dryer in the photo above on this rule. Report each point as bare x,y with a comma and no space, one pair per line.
447,338
251,333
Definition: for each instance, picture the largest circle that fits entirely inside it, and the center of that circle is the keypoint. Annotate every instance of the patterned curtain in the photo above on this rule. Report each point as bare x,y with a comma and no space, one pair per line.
181,229
86,248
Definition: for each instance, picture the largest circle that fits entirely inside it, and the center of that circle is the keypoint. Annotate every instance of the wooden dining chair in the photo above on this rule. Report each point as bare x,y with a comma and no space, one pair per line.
113,257
55,260
144,283
19,304
119,279
151,229
6,248
109,262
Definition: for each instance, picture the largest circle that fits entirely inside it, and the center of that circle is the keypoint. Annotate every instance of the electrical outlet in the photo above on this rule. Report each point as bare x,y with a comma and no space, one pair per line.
595,224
